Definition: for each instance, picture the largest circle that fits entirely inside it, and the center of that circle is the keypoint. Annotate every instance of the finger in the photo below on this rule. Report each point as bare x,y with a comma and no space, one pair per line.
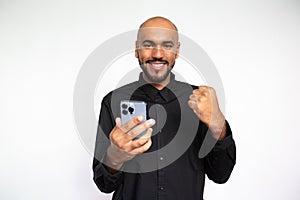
200,89
131,123
118,122
122,137
140,128
143,148
203,90
147,135
142,140
192,104
194,97
199,97
196,91
118,134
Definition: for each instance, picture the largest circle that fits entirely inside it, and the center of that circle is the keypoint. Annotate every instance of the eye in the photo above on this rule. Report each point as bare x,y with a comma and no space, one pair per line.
147,45
168,46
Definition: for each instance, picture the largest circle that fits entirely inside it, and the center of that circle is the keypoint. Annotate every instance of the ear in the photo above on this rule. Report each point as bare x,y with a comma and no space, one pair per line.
136,52
177,50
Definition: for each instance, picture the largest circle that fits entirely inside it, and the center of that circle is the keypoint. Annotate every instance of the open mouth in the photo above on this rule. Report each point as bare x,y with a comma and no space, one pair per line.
156,65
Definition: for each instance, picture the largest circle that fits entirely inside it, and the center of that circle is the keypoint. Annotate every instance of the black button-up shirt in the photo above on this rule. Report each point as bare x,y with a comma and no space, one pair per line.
180,172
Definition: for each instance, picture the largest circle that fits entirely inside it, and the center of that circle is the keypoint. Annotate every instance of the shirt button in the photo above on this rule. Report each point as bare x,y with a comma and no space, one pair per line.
161,158
161,188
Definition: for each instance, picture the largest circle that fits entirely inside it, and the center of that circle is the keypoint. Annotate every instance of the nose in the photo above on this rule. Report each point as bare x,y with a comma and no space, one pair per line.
157,53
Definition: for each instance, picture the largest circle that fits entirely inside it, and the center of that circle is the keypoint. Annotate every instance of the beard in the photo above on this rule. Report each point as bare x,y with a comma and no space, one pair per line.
156,79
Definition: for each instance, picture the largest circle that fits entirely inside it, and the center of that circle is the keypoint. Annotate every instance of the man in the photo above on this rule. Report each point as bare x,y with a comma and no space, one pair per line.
178,112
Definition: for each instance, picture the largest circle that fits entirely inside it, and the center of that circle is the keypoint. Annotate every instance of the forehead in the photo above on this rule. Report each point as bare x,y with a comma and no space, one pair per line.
157,34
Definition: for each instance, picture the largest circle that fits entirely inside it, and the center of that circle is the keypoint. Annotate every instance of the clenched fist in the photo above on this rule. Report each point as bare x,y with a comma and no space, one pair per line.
204,103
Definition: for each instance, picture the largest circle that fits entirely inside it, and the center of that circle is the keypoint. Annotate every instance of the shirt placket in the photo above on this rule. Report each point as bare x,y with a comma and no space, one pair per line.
161,176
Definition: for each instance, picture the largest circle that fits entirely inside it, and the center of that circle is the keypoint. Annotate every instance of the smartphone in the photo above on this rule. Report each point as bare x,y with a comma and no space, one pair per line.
131,109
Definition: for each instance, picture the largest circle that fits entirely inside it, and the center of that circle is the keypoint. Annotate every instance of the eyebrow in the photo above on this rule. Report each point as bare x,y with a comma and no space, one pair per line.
167,42
164,42
148,41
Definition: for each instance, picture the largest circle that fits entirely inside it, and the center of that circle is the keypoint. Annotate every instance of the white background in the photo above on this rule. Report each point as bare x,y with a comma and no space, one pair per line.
255,46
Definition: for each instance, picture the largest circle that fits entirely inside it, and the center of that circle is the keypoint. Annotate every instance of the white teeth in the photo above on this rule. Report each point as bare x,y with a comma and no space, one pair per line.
158,65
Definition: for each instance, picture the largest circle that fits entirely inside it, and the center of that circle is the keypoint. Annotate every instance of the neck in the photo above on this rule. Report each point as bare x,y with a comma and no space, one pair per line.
160,85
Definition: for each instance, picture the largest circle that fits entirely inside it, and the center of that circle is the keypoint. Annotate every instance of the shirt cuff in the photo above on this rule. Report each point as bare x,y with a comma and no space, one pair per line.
106,173
227,141
102,171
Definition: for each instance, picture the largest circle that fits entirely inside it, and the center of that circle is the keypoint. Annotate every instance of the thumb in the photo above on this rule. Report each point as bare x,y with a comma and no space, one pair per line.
118,122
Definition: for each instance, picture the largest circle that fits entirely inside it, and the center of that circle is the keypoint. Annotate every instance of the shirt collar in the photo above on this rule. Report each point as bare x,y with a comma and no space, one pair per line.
151,91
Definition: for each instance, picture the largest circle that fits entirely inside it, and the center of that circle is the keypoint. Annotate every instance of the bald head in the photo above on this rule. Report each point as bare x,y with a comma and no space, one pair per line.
159,22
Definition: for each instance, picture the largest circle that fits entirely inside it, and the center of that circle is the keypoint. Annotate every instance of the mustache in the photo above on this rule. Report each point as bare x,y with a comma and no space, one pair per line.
157,60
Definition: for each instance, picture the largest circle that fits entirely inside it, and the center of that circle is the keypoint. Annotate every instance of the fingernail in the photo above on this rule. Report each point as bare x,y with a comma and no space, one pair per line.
151,122
118,121
140,118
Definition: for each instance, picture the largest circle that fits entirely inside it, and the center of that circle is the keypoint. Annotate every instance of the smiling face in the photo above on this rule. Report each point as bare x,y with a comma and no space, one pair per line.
157,48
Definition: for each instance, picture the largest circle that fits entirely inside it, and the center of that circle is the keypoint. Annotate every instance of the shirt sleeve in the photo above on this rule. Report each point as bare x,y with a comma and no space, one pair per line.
104,180
220,161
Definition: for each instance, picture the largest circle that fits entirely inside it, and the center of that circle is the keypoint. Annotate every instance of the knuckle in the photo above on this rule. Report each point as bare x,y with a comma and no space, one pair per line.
202,98
140,142
136,143
125,127
126,149
132,132
112,137
145,125
145,148
206,92
203,87
199,108
118,145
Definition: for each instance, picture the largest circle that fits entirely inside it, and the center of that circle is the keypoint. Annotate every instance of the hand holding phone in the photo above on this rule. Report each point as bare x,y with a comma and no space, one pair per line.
126,140
131,109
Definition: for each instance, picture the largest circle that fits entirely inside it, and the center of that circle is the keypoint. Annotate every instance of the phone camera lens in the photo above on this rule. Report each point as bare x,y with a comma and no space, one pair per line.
124,106
131,109
124,112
